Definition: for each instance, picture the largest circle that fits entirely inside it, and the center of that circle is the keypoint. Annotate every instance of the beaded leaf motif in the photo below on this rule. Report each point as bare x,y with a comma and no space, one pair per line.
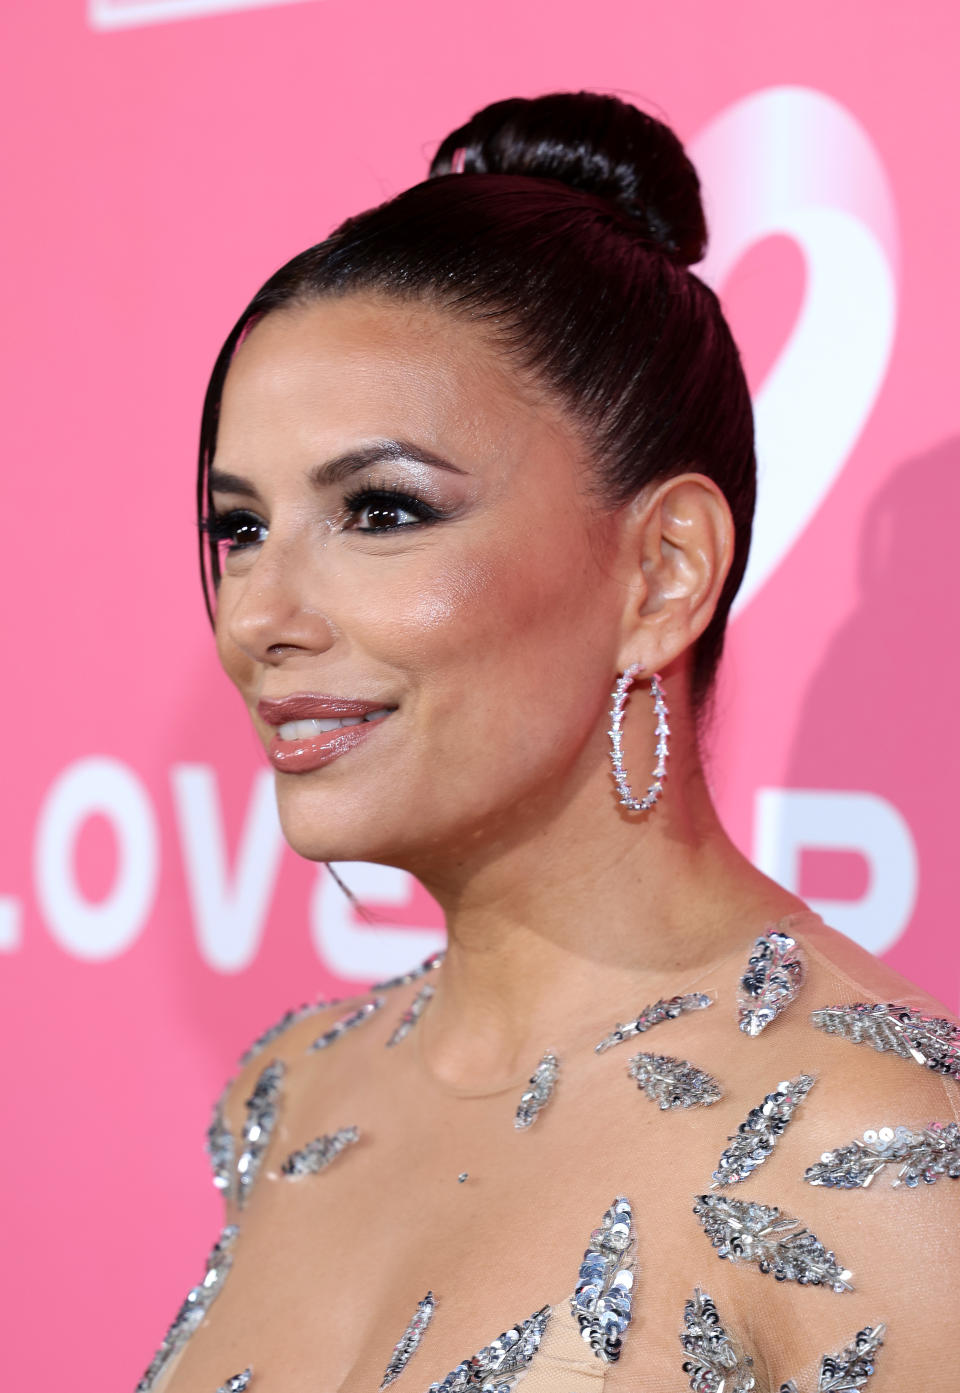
405,978
602,1300
238,1383
535,1098
664,1010
674,1083
924,1154
345,1023
747,1232
318,1154
412,1014
718,1365
219,1142
262,1108
773,977
494,1369
932,1041
757,1135
715,1363
194,1307
409,1342
851,1368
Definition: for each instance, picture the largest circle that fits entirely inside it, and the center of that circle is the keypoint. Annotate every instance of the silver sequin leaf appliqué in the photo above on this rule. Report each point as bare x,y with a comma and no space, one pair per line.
345,1023
774,975
262,1108
318,1154
536,1097
747,1232
932,1041
849,1370
923,1154
405,978
409,1342
220,1142
194,1307
758,1134
238,1383
664,1010
602,1300
716,1364
496,1367
412,1014
674,1083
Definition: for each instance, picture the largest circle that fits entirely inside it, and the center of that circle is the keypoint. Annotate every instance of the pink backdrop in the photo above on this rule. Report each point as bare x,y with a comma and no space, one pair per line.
163,156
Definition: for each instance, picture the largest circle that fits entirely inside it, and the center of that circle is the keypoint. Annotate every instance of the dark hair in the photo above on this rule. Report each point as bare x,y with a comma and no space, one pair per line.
567,230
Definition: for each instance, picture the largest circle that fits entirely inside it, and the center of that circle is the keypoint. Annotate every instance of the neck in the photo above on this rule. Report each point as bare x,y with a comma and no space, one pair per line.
584,919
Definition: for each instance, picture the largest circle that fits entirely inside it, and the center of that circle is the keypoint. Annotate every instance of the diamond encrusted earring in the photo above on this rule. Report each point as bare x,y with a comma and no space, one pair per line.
620,693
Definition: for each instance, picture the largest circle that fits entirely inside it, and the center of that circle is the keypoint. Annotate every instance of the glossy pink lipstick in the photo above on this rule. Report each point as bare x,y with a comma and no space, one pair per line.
309,732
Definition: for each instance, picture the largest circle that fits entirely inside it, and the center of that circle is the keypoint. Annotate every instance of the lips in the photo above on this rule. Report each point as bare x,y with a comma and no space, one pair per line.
313,730
301,706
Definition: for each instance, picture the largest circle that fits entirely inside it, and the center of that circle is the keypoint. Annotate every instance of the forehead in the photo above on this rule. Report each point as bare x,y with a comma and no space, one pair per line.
320,376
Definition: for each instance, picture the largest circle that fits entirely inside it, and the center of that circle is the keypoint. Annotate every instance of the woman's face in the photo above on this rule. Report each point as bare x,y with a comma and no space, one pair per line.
408,527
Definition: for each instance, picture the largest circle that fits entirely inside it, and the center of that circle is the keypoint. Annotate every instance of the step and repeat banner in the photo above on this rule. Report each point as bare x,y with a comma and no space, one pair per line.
162,157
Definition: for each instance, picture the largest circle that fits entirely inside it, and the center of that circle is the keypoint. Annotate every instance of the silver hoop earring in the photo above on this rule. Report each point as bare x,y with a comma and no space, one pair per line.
620,694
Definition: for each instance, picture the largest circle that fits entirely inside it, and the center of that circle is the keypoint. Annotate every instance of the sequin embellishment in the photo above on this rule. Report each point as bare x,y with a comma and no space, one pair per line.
428,965
719,1365
757,1135
674,1083
345,1023
746,1232
406,1347
663,1010
238,1383
716,1364
318,1154
773,977
851,1368
219,1142
537,1096
258,1126
194,1307
603,1297
925,1155
220,1149
932,1041
412,1014
493,1368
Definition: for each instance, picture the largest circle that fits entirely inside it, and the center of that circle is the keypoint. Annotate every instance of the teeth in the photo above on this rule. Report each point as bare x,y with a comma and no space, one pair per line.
304,730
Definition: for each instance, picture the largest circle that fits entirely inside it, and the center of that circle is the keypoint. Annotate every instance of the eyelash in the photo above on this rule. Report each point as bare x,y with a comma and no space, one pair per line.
222,527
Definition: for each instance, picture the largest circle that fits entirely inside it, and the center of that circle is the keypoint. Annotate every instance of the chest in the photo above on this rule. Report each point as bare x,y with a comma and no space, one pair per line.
329,1268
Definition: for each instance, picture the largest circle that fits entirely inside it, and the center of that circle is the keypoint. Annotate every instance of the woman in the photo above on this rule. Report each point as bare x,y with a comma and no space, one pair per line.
476,487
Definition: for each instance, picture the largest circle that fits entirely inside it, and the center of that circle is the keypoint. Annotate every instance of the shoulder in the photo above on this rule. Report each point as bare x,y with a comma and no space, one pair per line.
243,1114
868,1171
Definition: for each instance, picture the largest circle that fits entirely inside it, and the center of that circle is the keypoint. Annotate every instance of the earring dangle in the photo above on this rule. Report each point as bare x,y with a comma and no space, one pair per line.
620,694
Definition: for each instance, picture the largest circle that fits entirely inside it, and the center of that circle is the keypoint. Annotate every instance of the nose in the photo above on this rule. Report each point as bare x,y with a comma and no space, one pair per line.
271,612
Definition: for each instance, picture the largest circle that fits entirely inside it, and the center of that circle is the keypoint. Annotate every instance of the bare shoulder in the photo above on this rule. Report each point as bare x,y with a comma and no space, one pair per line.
868,1173
243,1114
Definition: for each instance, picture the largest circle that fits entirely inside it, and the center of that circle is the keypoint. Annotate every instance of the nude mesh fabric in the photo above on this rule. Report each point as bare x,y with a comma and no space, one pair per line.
329,1269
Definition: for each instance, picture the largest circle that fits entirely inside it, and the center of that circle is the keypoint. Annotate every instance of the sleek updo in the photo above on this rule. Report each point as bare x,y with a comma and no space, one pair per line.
564,225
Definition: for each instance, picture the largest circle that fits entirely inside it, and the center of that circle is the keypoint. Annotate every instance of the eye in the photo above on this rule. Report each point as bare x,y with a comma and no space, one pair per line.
387,510
233,531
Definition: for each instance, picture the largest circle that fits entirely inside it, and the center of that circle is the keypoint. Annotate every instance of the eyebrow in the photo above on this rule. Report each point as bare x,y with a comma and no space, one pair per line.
341,467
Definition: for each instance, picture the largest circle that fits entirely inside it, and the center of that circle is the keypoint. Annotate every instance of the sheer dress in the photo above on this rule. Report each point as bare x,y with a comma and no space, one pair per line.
522,1235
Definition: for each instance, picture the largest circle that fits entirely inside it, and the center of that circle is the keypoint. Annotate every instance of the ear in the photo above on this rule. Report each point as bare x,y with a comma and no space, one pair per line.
679,537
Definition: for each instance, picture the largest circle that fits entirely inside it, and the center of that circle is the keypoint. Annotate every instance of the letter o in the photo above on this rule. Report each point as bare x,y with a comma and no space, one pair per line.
104,786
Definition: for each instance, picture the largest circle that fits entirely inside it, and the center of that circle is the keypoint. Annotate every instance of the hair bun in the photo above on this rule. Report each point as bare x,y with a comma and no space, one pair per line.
592,142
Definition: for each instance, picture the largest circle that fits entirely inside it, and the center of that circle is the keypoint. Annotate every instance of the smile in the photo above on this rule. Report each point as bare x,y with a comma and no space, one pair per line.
306,729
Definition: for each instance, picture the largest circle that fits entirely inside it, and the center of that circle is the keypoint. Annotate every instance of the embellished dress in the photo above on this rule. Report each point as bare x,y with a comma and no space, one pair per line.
745,1188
